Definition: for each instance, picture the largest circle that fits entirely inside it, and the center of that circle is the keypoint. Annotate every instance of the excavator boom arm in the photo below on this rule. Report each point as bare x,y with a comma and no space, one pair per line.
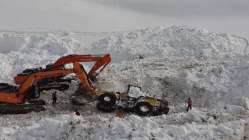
101,61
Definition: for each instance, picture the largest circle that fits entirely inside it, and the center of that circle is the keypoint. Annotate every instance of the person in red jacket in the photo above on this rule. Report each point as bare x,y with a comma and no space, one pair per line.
189,104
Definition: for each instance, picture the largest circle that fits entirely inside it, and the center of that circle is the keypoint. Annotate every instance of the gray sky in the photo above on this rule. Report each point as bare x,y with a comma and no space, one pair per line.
227,16
182,8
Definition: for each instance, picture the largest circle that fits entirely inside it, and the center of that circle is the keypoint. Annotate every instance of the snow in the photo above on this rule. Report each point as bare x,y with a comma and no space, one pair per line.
73,127
167,62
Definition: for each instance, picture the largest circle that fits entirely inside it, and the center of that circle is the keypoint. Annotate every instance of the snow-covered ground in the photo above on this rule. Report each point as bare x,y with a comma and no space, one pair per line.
167,62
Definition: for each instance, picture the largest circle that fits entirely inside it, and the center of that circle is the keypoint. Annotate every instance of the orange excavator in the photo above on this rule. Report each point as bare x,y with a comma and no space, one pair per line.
32,81
59,82
13,98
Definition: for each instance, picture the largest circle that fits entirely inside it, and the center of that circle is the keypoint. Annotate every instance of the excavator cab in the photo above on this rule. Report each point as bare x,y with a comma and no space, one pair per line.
30,71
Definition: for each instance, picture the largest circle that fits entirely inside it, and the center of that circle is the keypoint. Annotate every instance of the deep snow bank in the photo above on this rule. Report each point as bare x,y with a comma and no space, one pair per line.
172,63
109,127
178,62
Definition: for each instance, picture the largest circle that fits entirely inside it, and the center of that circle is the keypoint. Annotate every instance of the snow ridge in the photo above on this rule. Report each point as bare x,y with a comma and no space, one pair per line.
167,62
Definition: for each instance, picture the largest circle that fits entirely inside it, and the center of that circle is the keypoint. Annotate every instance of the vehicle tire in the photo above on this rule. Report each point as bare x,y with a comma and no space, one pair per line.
105,107
165,110
107,98
161,111
143,108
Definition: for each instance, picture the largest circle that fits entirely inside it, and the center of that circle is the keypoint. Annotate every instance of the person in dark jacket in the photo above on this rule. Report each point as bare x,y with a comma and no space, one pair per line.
189,104
54,98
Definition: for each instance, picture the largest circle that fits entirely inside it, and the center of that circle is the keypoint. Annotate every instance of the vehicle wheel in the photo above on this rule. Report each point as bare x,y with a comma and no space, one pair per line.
165,110
105,107
161,111
143,108
107,98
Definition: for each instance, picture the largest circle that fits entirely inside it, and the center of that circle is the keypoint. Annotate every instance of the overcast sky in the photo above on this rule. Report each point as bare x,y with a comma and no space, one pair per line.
230,16
182,8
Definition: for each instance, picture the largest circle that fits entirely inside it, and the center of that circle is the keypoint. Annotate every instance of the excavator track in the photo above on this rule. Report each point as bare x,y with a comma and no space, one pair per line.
21,108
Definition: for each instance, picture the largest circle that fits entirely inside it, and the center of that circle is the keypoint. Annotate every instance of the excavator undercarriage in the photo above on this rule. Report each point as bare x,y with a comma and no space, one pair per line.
31,105
20,108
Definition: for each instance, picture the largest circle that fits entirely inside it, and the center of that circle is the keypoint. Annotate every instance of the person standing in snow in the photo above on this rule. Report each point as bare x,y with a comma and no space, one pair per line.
189,104
54,98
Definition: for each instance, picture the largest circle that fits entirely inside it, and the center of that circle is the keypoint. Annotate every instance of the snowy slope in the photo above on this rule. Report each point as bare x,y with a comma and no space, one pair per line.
186,61
168,62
